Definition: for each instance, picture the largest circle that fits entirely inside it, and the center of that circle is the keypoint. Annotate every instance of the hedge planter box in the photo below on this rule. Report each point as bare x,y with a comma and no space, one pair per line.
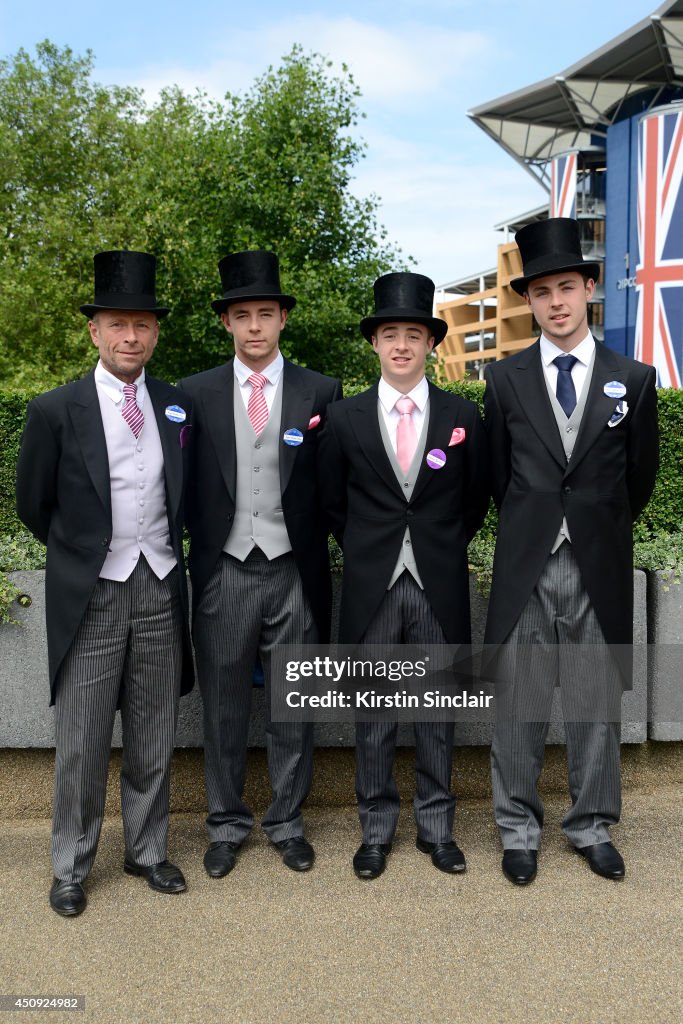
665,651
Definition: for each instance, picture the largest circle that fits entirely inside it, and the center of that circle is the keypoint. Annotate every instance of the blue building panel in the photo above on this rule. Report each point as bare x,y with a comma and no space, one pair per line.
621,235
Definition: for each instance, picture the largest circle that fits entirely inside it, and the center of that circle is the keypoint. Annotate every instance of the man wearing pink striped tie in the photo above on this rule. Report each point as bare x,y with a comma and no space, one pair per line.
403,472
100,480
258,553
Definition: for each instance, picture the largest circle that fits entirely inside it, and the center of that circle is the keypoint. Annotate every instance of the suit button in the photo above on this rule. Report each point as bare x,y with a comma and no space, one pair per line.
410,513
567,490
105,543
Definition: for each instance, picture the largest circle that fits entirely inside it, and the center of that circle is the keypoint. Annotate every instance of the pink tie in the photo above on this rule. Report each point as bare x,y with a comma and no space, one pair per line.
131,411
257,407
406,435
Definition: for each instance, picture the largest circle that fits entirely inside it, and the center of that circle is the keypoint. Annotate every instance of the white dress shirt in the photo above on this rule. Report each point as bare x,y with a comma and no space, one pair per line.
583,354
388,396
273,373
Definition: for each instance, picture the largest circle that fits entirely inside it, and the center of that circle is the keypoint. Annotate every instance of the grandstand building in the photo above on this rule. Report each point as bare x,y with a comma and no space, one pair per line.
605,139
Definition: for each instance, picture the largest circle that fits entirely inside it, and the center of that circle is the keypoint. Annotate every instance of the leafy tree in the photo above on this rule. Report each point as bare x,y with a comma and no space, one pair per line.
85,168
64,147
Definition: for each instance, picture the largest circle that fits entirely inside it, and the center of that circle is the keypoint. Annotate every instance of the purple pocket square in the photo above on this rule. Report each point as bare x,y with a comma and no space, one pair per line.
184,435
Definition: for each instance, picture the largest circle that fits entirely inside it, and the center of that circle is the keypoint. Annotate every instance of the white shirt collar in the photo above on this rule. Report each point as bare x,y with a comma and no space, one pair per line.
583,351
273,371
113,387
388,395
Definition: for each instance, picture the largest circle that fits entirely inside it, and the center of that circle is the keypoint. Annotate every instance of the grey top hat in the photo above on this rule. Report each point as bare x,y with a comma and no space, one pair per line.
550,247
403,297
125,280
248,276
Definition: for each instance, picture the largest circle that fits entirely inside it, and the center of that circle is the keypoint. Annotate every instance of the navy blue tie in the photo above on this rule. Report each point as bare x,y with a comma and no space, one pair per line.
566,392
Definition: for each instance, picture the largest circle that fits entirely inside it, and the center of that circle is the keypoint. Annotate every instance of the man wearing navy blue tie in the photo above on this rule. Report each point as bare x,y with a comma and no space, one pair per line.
574,454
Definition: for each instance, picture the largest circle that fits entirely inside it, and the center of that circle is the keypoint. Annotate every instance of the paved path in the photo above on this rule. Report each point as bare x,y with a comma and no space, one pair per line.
268,945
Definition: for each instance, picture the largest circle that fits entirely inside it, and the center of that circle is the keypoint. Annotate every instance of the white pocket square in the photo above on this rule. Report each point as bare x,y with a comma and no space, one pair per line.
618,414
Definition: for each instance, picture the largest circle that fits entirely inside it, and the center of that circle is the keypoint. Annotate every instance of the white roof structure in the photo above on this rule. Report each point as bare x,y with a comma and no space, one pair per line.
574,109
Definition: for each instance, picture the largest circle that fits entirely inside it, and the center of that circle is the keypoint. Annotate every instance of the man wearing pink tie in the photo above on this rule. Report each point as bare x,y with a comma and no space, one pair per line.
258,553
101,481
404,479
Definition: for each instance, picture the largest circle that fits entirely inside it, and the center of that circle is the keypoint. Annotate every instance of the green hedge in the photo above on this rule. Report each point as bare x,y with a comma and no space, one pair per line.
662,516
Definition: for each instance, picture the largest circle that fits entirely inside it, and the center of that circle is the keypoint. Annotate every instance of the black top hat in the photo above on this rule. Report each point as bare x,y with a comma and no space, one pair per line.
404,298
550,247
125,280
250,275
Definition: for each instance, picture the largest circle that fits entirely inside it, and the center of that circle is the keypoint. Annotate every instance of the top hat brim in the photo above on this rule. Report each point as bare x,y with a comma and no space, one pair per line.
583,267
129,303
435,324
287,302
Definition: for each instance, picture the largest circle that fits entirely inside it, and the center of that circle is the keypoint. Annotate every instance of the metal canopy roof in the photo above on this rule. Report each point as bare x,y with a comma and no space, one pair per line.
574,109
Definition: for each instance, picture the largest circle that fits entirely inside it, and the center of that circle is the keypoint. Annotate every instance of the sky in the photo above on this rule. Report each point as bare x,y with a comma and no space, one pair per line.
441,182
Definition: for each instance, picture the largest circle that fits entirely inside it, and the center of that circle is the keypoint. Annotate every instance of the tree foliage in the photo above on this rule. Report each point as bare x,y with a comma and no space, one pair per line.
85,168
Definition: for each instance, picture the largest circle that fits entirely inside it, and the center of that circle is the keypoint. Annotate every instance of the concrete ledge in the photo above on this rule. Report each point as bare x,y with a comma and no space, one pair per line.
27,721
26,777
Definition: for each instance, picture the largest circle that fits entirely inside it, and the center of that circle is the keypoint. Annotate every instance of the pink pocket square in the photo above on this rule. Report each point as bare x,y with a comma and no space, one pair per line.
313,422
457,437
184,435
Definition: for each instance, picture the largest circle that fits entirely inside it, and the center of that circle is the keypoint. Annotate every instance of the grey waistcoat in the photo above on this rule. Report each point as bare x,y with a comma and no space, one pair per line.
259,520
406,558
569,429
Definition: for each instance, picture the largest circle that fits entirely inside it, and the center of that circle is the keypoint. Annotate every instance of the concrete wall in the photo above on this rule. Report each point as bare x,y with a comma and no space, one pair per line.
27,721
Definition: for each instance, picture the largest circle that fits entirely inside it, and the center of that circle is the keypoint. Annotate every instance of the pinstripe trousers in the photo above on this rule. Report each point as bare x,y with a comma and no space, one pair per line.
127,651
404,616
246,609
557,639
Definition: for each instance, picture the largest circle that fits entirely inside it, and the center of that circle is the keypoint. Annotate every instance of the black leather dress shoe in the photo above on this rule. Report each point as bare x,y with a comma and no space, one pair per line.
520,866
370,859
162,877
604,859
445,856
67,898
220,858
297,854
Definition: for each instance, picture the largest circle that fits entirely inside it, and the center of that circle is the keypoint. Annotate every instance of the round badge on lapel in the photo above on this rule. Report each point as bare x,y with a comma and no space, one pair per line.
436,458
293,437
614,389
175,414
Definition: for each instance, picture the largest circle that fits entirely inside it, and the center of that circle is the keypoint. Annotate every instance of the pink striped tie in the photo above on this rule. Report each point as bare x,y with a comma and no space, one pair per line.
131,411
406,435
257,407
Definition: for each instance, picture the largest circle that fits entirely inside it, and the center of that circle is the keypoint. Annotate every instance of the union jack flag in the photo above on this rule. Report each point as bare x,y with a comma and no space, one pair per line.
563,186
659,272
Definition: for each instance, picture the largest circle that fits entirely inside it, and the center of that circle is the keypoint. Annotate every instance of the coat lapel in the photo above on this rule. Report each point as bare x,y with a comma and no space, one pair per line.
528,380
86,418
218,406
439,431
599,407
364,420
160,396
297,409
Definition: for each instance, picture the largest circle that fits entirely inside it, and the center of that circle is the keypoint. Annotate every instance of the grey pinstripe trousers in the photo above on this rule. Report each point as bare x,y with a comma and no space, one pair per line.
128,649
404,616
247,609
555,640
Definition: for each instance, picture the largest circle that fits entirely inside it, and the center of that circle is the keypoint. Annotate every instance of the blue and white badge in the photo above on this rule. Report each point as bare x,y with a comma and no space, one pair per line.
175,414
293,437
614,389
